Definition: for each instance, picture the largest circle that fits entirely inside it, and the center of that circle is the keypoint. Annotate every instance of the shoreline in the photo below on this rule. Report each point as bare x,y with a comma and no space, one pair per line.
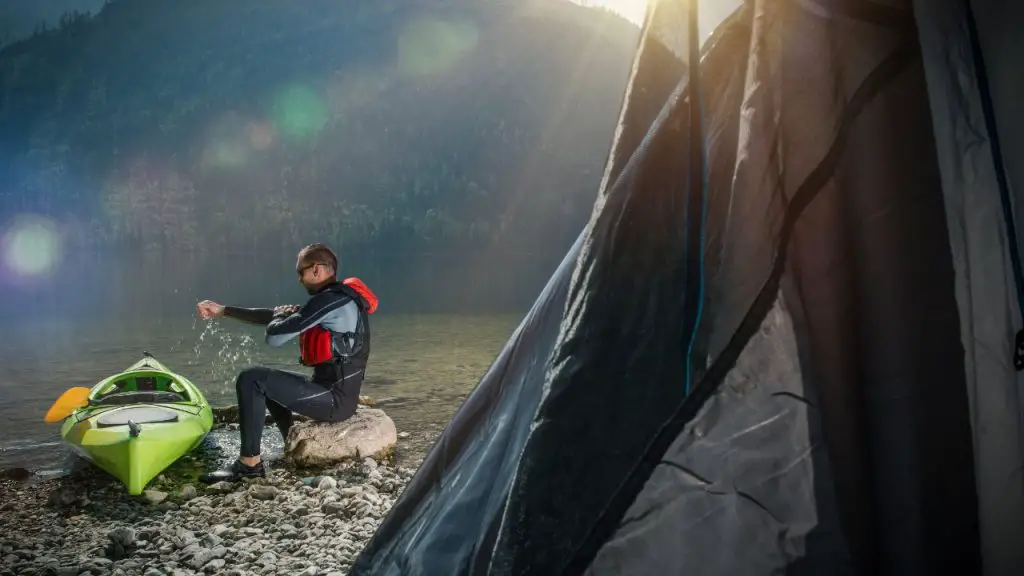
284,524
309,522
413,447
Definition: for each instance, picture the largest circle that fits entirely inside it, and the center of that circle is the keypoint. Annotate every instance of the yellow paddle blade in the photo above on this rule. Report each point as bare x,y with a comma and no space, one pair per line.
68,402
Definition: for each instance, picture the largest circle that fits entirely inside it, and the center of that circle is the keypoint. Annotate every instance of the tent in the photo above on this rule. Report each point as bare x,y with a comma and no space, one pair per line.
786,340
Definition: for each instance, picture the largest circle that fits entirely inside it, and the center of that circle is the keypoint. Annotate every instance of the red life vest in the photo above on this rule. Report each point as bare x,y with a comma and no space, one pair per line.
316,345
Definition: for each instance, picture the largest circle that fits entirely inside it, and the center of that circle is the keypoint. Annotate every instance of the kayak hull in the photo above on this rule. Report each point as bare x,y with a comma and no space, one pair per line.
134,434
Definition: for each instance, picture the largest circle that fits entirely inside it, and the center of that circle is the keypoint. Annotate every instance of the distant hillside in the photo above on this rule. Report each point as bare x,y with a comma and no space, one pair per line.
20,18
242,124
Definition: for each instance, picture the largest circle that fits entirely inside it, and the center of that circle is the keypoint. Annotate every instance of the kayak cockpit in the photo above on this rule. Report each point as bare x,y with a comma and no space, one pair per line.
142,387
137,415
121,398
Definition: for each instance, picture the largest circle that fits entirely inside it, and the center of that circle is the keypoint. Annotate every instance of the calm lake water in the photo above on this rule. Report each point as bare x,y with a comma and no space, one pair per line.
421,368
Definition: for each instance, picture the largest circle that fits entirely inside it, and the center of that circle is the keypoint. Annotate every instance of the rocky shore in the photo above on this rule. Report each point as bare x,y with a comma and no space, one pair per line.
284,524
294,522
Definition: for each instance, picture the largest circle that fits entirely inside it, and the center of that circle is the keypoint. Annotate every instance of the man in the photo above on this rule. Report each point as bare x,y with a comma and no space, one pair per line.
334,339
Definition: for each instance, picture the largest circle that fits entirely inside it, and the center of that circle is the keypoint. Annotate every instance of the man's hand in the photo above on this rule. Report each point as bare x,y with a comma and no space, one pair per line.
281,311
209,309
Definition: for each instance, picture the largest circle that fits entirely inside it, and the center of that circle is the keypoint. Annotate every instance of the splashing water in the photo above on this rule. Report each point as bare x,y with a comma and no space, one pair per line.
221,354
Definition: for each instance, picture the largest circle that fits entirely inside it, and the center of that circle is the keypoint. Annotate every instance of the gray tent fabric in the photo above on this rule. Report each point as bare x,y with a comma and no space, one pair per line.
814,372
978,241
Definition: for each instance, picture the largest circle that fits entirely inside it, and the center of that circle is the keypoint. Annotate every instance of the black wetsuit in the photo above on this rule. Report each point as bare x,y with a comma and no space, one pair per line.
332,393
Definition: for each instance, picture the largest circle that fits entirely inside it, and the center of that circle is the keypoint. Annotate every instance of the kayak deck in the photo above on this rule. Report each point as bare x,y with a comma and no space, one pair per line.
137,414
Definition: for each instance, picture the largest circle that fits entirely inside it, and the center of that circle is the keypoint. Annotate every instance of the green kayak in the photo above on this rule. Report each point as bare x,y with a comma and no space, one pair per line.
138,422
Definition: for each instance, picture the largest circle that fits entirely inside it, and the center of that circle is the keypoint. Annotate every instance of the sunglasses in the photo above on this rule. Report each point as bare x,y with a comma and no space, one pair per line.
301,271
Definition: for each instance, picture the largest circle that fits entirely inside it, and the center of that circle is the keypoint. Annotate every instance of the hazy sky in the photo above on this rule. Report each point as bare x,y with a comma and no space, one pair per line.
19,17
712,12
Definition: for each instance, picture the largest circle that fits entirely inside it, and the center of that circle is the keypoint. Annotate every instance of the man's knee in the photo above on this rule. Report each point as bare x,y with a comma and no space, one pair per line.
250,376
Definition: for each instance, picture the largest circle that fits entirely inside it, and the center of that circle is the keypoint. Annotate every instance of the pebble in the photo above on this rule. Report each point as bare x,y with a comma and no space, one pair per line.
312,526
154,496
262,492
327,483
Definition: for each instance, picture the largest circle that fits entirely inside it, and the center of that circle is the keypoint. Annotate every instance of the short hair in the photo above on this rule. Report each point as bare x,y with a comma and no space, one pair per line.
319,254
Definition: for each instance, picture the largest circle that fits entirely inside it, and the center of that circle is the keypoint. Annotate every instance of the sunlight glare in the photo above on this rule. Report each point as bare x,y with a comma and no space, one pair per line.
711,13
432,46
32,246
632,10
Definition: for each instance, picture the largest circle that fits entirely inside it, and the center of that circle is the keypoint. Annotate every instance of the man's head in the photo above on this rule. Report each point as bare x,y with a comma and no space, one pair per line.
316,266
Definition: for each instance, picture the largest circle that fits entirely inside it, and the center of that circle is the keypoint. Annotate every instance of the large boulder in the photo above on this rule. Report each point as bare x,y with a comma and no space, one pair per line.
368,433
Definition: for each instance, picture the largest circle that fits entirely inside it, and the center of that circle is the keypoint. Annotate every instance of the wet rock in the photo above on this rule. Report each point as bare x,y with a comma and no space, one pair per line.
267,559
220,530
326,483
63,496
16,474
221,488
225,414
122,542
368,433
154,497
263,492
204,556
188,492
333,508
182,537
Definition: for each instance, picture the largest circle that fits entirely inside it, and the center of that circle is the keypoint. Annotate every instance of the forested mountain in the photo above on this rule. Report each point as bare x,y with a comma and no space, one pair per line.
20,18
249,124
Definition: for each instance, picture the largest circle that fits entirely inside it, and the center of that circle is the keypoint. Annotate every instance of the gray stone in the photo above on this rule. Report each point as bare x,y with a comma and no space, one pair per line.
263,492
188,493
154,497
326,483
368,433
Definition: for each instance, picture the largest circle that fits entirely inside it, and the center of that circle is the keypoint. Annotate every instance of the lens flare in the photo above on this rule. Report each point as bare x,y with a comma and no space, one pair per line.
31,247
299,112
227,142
261,136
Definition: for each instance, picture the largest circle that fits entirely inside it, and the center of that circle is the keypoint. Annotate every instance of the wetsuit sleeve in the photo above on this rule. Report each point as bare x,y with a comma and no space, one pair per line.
281,330
260,316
